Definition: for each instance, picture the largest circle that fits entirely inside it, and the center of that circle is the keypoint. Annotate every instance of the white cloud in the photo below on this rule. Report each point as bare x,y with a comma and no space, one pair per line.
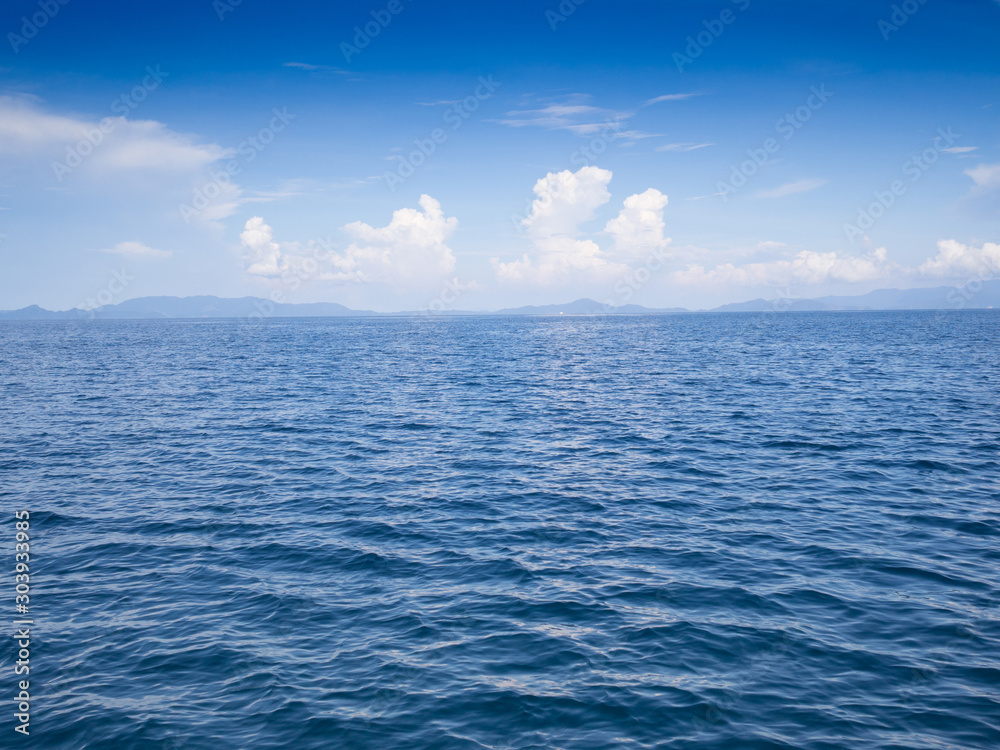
412,245
410,250
638,229
955,260
960,149
140,155
983,198
311,67
683,146
808,267
150,145
136,250
631,136
121,144
23,126
792,188
227,203
560,259
263,255
564,201
573,114
670,98
576,114
986,176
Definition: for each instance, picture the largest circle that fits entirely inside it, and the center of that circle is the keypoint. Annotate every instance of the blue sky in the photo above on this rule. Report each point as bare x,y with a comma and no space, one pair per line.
479,156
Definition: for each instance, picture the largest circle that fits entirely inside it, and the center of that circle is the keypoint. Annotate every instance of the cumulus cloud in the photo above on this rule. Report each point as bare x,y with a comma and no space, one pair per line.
638,229
136,250
263,256
564,200
955,260
808,267
412,245
561,260
411,249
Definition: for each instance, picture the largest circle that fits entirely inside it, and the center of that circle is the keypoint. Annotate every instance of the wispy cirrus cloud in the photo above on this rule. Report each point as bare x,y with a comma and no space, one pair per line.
310,66
26,129
576,114
573,113
792,188
671,98
682,146
136,250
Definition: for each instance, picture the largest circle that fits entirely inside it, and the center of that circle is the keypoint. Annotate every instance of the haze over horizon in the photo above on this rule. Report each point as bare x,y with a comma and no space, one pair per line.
398,155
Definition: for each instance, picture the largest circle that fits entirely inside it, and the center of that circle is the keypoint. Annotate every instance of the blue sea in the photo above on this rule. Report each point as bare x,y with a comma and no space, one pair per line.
682,531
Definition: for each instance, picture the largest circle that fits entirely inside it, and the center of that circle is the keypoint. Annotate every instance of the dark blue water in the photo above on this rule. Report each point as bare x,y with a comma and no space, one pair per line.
715,531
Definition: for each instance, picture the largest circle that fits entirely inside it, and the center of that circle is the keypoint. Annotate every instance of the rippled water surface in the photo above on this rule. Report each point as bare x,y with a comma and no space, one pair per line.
693,531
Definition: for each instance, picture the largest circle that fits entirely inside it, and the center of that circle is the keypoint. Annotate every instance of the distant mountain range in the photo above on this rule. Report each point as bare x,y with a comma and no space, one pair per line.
935,298
145,308
189,307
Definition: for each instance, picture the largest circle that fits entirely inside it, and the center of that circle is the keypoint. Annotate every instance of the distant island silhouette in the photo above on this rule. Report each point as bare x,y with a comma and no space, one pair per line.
981,295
